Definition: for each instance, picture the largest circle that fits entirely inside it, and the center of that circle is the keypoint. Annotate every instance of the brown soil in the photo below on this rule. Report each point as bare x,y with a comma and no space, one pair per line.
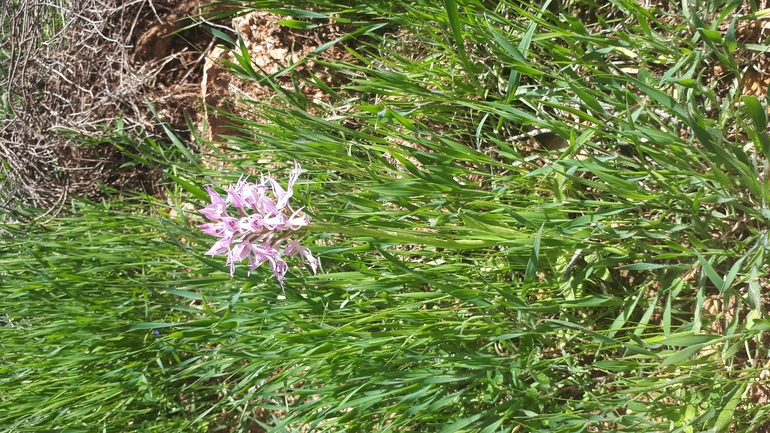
176,55
274,50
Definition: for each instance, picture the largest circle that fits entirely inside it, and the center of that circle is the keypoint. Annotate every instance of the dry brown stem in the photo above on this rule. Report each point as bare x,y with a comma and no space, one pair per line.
79,66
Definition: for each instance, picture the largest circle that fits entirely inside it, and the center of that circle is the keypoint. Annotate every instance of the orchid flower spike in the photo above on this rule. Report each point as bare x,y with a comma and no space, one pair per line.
251,224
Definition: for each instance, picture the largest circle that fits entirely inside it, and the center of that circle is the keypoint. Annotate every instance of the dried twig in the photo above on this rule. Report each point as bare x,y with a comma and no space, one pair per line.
70,66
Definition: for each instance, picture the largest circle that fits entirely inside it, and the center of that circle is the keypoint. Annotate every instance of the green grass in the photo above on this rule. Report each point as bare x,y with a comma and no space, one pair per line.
471,282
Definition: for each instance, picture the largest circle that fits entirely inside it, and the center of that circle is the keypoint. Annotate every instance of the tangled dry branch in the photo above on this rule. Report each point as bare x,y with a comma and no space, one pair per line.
75,67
